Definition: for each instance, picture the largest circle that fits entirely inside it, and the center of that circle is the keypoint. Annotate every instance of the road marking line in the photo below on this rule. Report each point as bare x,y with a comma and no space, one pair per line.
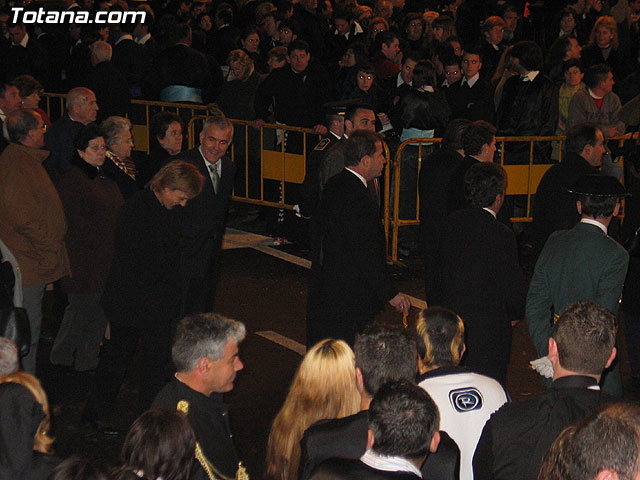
283,341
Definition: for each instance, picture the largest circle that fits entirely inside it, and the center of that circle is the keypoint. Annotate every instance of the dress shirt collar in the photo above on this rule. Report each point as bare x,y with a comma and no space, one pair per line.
335,135
389,464
124,36
593,95
591,221
3,116
400,80
217,165
23,42
490,211
362,179
530,76
471,81
576,381
144,39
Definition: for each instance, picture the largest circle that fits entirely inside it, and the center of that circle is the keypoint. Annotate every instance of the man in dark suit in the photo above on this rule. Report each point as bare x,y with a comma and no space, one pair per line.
583,263
108,84
478,275
433,181
554,208
402,432
382,355
26,55
206,215
479,145
472,97
348,245
516,438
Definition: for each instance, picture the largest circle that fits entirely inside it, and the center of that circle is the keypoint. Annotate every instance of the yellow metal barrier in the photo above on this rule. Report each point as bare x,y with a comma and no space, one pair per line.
283,167
522,180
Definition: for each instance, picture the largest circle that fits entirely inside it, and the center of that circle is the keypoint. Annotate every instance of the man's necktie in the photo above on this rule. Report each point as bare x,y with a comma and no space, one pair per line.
215,178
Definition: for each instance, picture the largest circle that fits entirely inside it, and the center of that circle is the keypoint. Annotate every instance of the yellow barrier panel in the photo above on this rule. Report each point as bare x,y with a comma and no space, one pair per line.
522,180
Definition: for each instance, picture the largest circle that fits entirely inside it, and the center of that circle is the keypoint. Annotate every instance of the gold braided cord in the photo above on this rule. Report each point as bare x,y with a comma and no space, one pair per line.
211,471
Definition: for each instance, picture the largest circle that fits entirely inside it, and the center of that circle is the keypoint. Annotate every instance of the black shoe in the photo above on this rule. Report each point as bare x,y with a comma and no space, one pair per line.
101,426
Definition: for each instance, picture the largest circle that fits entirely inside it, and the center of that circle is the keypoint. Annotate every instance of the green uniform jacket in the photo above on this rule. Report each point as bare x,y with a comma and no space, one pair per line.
578,264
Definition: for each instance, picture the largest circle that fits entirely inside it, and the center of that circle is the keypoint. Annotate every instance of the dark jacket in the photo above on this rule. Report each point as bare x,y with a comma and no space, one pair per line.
111,90
210,420
143,280
528,109
91,202
554,208
297,99
479,277
516,437
201,235
347,438
473,103
59,141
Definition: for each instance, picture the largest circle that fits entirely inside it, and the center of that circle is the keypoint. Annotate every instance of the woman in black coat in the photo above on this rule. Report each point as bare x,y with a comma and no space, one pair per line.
165,143
91,201
141,299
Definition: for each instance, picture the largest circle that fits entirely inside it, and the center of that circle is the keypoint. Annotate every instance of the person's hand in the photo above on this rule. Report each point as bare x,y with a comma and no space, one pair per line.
320,130
258,123
401,303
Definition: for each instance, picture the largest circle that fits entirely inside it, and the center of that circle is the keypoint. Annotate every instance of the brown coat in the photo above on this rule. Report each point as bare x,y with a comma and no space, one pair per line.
32,221
91,202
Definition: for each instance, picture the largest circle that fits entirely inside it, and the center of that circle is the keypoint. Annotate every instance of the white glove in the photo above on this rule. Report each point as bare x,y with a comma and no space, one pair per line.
543,366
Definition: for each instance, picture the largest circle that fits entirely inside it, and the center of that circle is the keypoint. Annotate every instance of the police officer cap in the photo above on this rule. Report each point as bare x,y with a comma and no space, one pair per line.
598,185
335,108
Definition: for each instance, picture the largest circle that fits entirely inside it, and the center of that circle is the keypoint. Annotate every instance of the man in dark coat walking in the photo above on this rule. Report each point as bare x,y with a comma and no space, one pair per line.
478,275
349,249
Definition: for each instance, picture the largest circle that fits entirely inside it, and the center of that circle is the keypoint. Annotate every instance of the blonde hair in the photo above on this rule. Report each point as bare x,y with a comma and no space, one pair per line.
442,332
178,175
42,441
324,387
607,22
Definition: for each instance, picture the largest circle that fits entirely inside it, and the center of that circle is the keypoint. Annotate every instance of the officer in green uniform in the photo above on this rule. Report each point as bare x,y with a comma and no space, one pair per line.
583,263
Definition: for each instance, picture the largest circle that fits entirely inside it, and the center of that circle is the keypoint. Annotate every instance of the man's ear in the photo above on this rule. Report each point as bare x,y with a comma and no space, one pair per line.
612,357
579,206
552,350
435,441
370,439
606,475
359,381
203,366
617,210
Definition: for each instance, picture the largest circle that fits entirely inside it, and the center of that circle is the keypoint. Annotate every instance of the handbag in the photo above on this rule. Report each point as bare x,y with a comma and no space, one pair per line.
14,325
14,321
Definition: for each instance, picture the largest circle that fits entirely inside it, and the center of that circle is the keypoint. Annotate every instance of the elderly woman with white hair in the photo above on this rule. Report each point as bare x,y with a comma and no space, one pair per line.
118,165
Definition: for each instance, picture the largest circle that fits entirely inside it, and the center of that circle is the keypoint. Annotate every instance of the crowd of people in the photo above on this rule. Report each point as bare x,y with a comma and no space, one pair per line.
134,242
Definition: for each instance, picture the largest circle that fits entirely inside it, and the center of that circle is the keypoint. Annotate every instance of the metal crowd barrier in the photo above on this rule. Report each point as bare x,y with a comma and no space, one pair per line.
522,180
270,165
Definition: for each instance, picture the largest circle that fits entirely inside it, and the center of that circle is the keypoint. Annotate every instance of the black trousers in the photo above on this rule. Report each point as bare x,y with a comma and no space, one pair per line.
116,358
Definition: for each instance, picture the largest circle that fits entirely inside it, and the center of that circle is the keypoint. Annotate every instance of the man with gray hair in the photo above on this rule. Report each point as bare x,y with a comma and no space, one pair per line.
206,216
82,109
9,362
205,352
32,221
108,83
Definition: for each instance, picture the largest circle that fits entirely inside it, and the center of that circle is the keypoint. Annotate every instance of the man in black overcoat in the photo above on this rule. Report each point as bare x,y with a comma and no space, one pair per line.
349,249
478,275
203,228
